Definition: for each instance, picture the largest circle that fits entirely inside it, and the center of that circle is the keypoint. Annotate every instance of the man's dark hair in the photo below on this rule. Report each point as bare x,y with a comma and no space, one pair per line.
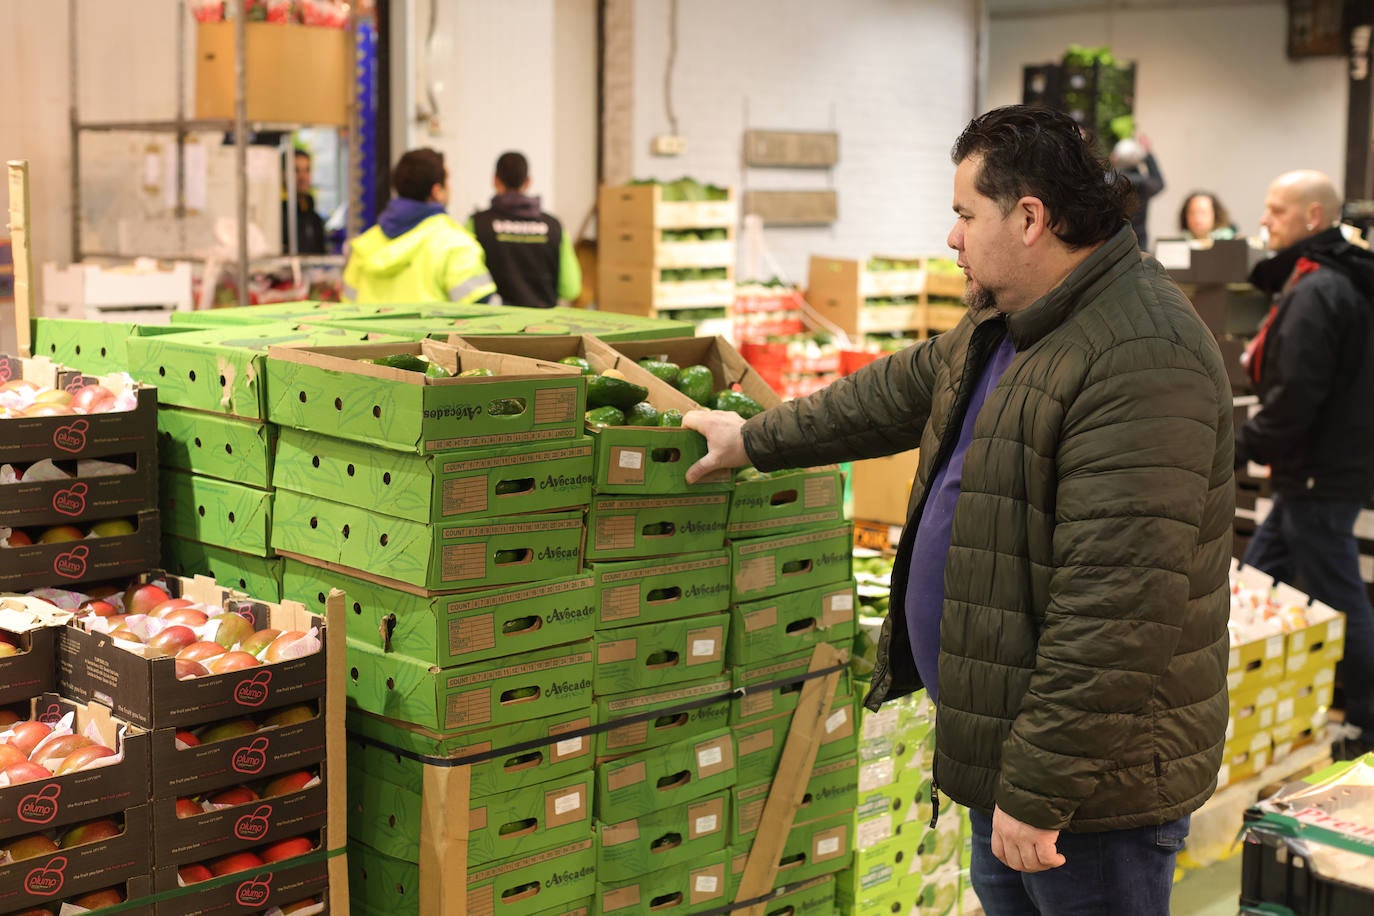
302,152
1037,152
512,170
417,172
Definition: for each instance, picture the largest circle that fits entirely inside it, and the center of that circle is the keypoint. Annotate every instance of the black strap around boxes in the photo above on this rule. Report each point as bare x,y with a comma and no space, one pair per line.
621,722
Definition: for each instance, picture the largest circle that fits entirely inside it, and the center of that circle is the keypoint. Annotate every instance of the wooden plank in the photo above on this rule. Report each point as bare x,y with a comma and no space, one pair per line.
798,149
22,256
793,208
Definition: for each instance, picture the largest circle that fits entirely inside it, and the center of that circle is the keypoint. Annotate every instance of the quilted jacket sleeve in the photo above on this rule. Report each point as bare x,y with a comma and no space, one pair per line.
1136,450
879,410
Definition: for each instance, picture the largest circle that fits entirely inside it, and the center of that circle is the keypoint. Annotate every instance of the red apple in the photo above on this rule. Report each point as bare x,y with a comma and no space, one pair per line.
10,754
163,608
116,620
237,795
194,873
284,785
286,849
55,749
290,715
238,861
19,384
27,735
112,528
188,668
26,847
95,900
190,616
140,599
18,538
232,661
260,640
7,718
231,629
26,771
185,807
287,646
185,738
172,639
53,396
89,832
229,728
60,534
201,651
83,757
125,634
92,399
7,648
99,608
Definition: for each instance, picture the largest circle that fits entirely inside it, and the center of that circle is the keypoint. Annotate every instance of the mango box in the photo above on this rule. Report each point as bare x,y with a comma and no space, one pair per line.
662,839
759,744
664,776
1252,710
330,390
770,690
91,559
1244,756
701,886
1323,637
260,576
81,499
546,682
660,654
1257,662
474,483
140,684
257,892
658,716
96,435
213,445
783,625
231,752
31,626
75,797
630,592
559,880
630,460
220,370
481,552
216,512
783,501
250,825
452,628
812,849
728,368
769,566
513,823
94,347
38,880
627,528
499,759
833,788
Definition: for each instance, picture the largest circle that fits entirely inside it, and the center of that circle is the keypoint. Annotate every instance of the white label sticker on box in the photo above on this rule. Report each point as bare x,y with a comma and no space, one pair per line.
1234,661
843,602
566,803
828,846
703,647
706,824
877,774
706,884
871,833
708,757
836,720
1273,647
568,746
631,459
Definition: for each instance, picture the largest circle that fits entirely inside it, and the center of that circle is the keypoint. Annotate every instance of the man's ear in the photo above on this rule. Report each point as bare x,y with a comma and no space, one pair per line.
1034,218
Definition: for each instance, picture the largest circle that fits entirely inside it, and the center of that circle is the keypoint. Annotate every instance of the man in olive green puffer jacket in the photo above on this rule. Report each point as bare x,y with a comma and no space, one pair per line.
1069,536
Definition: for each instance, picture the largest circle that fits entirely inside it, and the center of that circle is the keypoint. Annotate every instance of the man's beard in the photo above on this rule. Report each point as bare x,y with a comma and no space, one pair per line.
979,298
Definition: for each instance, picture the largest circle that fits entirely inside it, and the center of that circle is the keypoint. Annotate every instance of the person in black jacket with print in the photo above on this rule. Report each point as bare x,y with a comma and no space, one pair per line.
1312,363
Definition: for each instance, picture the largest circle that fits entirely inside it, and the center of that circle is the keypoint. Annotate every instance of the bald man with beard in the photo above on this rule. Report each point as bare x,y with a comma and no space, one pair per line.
1312,363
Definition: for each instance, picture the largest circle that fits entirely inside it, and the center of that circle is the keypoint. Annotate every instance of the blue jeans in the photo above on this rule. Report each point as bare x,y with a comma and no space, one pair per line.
1310,544
1117,872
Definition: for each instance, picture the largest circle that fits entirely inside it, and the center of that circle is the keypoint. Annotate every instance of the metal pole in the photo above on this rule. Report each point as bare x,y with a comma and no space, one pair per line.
241,146
74,92
292,208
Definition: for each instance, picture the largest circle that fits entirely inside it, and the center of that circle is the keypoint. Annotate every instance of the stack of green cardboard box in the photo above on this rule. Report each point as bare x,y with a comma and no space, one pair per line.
901,863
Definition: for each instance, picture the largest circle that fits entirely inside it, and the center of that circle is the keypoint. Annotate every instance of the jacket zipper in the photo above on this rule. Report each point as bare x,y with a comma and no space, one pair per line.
934,784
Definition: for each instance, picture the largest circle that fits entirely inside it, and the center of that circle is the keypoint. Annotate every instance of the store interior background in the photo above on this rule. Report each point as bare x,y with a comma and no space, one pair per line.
1223,105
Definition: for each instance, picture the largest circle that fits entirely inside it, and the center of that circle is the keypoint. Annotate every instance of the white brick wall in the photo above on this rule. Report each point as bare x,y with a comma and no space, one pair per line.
893,77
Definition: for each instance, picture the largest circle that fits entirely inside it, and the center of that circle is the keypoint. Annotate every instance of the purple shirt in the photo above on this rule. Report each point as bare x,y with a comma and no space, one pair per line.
925,587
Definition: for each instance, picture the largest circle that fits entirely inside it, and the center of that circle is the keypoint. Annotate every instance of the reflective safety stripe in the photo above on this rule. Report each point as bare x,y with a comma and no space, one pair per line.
468,287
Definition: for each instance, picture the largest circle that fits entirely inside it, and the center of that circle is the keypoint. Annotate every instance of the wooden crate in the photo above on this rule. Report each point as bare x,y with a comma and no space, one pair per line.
642,246
643,206
839,289
639,291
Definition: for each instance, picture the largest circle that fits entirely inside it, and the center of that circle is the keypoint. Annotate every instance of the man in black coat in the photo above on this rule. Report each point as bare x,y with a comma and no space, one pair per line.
1312,363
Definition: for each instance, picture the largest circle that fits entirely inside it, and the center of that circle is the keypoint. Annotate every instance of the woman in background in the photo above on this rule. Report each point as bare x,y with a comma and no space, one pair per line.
1204,217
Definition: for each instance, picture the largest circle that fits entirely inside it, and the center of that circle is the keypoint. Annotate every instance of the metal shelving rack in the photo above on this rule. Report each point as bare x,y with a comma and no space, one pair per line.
183,127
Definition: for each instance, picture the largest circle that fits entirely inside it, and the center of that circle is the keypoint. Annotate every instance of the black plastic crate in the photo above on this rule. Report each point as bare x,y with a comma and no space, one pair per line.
1275,871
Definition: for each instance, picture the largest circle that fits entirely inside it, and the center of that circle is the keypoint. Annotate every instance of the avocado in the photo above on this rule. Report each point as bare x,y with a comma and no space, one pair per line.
602,417
476,373
407,361
737,401
670,417
665,371
642,414
608,391
579,362
697,383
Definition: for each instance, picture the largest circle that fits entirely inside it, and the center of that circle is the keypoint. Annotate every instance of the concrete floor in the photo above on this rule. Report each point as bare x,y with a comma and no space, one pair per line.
1210,891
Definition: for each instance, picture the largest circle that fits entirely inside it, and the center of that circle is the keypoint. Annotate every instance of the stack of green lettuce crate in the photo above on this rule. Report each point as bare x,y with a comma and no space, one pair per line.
450,511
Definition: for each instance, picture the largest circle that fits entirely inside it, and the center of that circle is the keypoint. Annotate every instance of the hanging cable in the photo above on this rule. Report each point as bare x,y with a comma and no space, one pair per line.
668,67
